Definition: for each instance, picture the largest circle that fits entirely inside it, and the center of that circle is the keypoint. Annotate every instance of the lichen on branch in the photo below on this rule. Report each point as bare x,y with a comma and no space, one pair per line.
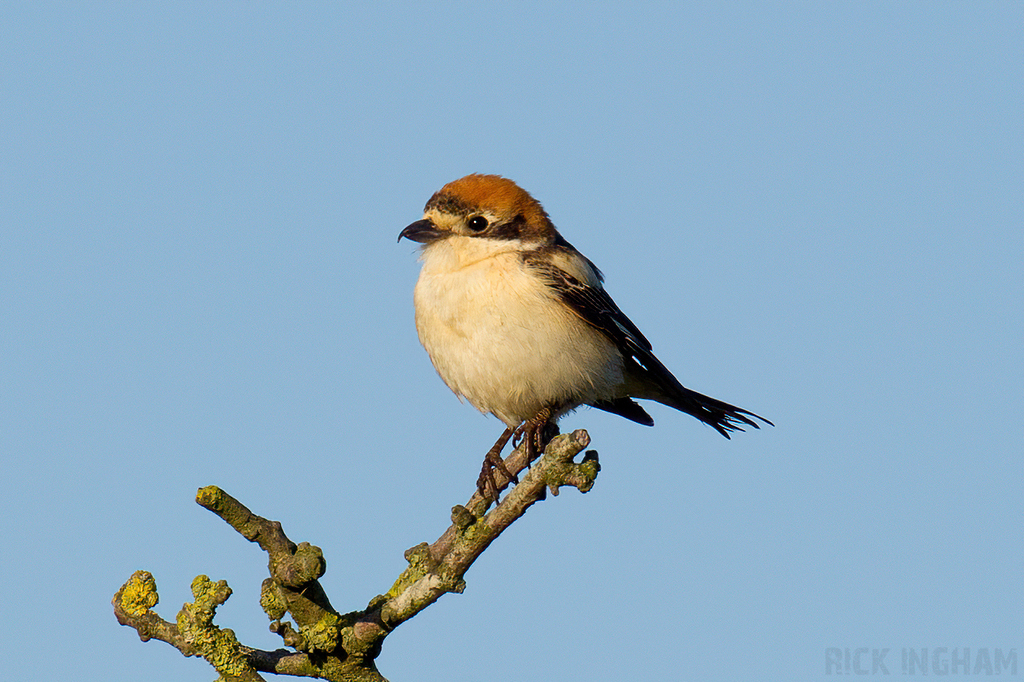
324,643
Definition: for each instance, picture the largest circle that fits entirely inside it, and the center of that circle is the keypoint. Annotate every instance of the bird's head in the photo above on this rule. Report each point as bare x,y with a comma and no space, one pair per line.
483,207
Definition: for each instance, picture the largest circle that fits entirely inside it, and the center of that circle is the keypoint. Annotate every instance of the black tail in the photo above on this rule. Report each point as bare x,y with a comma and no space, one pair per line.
722,416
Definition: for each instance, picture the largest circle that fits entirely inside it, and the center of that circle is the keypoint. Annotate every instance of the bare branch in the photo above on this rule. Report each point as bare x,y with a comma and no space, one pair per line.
326,644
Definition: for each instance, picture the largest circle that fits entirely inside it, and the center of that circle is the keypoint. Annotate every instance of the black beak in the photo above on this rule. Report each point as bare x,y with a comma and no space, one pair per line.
422,231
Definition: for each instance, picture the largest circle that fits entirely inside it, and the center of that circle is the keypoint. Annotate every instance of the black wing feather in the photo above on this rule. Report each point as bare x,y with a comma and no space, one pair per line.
596,308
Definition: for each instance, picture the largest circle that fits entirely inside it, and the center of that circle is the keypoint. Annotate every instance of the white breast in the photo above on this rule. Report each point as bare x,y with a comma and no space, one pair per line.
499,338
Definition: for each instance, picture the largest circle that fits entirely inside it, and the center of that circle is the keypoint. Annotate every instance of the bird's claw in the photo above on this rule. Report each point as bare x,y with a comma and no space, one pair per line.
486,484
535,433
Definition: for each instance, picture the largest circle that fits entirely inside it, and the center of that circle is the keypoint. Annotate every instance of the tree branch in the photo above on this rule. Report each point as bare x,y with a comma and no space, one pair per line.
324,643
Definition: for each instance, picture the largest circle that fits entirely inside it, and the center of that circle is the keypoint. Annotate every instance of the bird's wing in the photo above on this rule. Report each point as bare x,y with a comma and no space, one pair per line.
594,306
584,295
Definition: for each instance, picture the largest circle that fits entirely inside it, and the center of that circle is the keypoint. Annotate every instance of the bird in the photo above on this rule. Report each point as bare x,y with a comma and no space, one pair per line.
517,322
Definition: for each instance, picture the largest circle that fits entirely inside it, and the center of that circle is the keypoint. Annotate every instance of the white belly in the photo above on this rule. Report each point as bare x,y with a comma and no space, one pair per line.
498,339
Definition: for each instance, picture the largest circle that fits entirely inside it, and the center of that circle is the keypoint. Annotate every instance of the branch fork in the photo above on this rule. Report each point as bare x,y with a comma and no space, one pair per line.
322,642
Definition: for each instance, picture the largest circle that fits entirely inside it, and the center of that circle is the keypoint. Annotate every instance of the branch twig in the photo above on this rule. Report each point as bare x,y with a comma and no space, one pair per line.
326,644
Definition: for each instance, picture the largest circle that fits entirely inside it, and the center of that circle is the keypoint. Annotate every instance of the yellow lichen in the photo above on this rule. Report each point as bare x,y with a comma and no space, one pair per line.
195,623
270,600
322,635
139,594
420,564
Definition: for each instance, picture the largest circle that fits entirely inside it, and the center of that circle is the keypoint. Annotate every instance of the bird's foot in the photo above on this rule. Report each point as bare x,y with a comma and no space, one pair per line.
486,484
537,432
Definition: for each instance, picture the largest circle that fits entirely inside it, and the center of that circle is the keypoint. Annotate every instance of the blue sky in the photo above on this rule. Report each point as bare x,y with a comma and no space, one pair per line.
813,210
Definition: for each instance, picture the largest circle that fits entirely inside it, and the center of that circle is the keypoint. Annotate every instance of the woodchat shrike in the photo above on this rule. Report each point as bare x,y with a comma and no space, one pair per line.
517,321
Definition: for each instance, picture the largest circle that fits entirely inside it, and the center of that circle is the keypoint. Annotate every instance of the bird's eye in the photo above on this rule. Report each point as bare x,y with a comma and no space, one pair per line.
477,223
